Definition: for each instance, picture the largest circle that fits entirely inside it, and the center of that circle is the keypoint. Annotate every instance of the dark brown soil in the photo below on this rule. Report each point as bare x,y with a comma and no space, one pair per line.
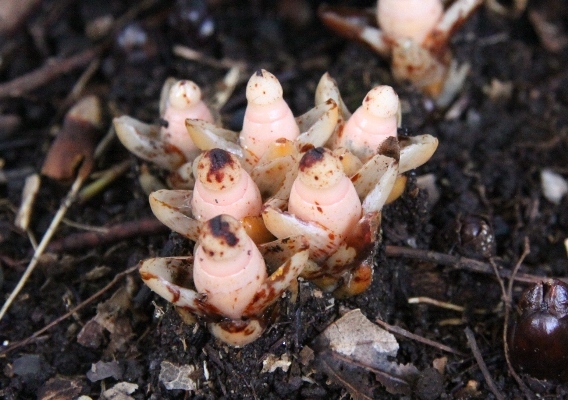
492,150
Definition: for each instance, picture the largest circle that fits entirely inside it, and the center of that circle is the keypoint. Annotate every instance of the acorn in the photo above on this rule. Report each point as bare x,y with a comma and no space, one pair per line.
538,343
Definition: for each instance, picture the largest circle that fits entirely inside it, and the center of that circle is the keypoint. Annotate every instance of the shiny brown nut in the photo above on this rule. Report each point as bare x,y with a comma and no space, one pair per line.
538,343
471,236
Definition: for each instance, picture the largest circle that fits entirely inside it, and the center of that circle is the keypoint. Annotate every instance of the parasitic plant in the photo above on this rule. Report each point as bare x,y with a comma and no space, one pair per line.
414,35
292,196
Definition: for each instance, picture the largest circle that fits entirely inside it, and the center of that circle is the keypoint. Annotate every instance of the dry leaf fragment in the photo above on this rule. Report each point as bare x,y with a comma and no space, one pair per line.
272,363
120,391
353,335
112,316
174,376
74,146
352,347
61,388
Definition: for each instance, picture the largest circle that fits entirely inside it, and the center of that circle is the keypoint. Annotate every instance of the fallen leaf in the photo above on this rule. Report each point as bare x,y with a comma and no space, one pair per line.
272,363
353,346
60,388
178,376
120,391
112,315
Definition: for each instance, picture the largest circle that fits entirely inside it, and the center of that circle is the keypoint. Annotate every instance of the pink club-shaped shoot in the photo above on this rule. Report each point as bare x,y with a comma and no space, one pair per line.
413,19
322,192
223,187
228,267
371,124
267,117
184,101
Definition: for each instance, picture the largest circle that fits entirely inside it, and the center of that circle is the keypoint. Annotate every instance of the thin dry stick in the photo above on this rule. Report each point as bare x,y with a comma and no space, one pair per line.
44,241
508,299
403,332
457,262
105,179
194,55
441,304
230,81
49,71
113,233
477,354
79,87
81,305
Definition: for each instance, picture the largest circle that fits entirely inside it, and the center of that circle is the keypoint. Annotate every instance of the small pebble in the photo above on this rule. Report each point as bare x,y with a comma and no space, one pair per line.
554,186
27,365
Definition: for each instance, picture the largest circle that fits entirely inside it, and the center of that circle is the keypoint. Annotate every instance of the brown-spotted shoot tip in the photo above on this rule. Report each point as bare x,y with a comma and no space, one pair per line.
222,238
184,94
413,19
323,193
320,169
267,116
372,123
381,102
223,187
218,169
263,88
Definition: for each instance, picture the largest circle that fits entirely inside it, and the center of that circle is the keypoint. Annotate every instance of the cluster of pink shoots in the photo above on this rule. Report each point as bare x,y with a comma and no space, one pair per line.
414,36
284,198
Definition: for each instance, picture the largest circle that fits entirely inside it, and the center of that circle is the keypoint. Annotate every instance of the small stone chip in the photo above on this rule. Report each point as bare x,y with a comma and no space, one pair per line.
102,370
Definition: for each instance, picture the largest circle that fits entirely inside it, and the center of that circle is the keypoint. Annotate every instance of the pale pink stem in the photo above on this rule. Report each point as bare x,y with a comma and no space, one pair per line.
228,267
322,193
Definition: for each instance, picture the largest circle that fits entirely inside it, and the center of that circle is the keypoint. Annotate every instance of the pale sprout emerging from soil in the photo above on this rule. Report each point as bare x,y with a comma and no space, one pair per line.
414,35
372,123
184,101
292,196
267,116
226,283
223,187
168,146
322,192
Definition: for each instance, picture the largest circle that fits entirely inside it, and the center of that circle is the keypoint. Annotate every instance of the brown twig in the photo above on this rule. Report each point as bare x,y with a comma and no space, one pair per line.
125,230
481,364
461,263
86,302
508,300
59,66
46,73
69,199
403,332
